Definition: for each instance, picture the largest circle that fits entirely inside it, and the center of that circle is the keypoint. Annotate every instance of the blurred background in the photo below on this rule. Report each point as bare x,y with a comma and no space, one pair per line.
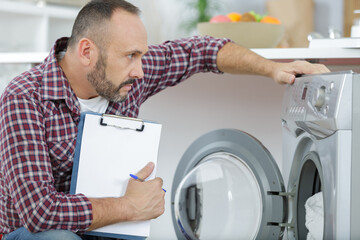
207,101
34,25
24,18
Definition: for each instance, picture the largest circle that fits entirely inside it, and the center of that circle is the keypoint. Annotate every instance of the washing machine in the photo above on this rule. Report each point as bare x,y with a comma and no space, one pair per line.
227,185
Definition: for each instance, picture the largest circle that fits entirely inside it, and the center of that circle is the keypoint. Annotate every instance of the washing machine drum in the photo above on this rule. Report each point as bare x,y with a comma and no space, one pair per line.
227,186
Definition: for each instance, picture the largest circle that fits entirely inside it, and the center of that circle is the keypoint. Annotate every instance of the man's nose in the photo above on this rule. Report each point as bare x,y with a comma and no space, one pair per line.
137,71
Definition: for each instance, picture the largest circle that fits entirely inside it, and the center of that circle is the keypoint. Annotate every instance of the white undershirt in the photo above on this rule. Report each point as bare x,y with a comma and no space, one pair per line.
97,104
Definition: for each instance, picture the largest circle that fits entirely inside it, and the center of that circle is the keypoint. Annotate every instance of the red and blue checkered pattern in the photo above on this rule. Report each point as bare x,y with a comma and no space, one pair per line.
39,114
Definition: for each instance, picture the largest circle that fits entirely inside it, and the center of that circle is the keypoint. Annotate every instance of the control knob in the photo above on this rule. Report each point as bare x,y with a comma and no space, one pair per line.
319,97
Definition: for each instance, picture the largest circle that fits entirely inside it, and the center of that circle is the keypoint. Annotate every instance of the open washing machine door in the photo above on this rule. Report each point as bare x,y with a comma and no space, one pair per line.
228,186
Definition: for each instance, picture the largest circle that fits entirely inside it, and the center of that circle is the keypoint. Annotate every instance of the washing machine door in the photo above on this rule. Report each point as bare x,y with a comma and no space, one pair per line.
228,186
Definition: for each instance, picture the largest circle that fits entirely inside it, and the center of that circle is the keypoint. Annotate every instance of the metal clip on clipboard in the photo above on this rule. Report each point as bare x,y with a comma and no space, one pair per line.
103,123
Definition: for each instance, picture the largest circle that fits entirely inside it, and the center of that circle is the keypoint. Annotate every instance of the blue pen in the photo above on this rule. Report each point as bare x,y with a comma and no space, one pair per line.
140,179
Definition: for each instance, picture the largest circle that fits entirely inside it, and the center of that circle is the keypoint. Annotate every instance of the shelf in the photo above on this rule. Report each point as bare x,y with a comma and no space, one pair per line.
27,57
328,56
27,8
29,27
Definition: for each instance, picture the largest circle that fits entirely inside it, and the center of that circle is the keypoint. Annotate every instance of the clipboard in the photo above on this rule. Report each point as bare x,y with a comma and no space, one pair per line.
108,149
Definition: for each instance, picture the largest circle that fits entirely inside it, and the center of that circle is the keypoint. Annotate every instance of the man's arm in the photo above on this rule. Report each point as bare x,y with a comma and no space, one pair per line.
172,62
26,168
142,201
29,196
235,59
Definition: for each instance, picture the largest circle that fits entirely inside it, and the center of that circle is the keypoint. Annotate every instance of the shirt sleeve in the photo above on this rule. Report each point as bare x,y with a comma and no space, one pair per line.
27,172
174,61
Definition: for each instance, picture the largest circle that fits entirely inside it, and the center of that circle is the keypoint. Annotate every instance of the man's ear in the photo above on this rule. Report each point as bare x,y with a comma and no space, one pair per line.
87,52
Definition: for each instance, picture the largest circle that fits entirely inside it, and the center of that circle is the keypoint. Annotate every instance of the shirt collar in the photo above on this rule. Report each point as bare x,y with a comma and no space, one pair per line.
55,85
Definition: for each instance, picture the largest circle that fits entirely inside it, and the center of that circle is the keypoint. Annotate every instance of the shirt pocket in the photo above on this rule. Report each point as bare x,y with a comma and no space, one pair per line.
61,141
62,154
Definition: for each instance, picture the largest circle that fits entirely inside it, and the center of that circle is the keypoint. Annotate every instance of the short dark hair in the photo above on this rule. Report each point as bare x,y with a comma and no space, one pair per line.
90,21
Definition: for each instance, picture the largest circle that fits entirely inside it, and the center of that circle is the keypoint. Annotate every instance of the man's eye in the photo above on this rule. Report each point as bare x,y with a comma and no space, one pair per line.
131,56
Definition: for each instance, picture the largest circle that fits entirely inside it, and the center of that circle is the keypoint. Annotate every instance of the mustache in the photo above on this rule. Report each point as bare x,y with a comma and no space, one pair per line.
127,82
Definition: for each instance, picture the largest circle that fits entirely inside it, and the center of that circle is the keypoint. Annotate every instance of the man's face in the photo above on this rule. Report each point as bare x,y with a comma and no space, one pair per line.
103,86
119,64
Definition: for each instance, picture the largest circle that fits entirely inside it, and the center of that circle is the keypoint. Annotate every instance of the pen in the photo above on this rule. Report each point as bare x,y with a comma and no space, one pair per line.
140,179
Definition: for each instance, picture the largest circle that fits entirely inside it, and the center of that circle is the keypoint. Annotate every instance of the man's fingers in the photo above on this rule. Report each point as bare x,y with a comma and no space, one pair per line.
290,79
285,73
323,68
285,78
146,171
304,67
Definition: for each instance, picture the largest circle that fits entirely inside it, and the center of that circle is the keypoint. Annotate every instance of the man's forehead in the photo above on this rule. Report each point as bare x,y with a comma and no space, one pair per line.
127,25
127,46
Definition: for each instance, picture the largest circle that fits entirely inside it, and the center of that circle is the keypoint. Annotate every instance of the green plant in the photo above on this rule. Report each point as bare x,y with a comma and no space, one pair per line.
204,10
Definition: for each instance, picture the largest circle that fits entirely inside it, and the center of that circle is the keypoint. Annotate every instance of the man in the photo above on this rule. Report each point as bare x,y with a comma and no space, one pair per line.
106,66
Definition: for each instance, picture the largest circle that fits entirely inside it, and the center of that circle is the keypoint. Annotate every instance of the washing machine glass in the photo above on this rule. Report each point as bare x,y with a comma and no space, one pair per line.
228,186
219,199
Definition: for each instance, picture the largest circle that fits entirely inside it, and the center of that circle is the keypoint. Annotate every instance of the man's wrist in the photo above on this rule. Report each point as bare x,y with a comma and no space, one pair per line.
108,211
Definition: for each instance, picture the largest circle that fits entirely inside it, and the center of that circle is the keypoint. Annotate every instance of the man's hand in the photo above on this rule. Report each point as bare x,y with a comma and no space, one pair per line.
285,73
146,199
142,201
236,59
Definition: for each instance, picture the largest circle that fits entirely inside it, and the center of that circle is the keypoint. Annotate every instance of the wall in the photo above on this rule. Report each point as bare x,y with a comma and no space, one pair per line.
328,13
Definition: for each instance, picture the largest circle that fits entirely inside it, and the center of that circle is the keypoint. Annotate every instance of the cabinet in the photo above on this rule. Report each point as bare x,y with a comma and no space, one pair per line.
33,27
349,15
28,28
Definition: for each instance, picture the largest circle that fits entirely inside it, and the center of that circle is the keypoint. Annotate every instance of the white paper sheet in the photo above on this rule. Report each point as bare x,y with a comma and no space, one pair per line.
108,155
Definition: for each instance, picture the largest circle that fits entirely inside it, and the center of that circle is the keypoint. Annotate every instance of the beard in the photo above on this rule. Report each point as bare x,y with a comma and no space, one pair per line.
103,86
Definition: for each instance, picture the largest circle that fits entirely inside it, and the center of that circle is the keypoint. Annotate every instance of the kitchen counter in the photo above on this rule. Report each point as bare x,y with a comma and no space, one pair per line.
329,56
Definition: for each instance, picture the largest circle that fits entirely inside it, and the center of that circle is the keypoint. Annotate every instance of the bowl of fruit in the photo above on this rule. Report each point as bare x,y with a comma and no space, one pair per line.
250,30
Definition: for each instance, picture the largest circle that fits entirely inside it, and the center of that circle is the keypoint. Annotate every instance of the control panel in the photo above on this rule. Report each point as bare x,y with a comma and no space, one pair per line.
320,101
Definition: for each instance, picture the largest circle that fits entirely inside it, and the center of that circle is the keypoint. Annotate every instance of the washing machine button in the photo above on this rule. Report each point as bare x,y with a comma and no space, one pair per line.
319,98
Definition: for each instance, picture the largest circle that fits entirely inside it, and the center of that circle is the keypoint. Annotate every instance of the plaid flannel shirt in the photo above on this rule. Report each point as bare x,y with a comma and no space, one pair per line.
39,114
